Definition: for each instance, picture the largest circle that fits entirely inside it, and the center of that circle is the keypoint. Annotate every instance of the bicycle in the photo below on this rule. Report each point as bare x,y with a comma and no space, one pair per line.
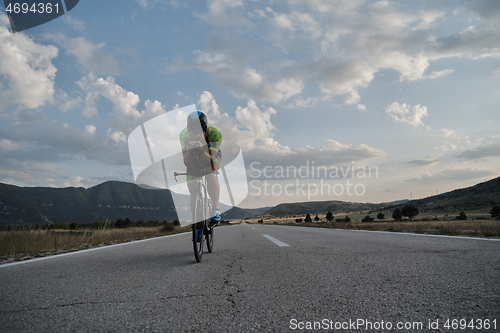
201,216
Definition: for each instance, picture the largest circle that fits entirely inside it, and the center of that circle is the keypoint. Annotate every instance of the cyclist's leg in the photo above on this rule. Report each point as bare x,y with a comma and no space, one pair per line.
192,183
192,186
213,189
213,182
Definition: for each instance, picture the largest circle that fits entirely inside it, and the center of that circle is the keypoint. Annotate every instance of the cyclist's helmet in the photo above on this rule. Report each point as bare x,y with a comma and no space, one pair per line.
197,120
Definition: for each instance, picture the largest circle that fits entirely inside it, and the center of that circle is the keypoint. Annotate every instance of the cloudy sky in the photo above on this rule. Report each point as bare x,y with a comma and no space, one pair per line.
407,89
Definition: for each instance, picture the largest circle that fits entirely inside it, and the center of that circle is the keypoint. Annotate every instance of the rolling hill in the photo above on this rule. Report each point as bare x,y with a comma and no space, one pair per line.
302,208
480,196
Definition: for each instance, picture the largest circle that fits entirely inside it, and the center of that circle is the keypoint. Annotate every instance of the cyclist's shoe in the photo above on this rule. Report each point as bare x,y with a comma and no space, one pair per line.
198,235
215,217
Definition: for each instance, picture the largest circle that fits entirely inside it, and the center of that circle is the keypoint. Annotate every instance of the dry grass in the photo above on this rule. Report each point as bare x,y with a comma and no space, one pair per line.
20,245
486,228
477,228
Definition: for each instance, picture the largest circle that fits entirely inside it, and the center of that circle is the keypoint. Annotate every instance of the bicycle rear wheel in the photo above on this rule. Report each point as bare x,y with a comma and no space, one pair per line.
209,228
199,223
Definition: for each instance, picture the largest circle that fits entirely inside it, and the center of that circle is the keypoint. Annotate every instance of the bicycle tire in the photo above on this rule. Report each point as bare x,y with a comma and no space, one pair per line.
199,222
209,235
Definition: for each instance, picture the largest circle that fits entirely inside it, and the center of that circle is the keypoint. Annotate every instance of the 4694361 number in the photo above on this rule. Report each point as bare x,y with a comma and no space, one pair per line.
473,324
35,8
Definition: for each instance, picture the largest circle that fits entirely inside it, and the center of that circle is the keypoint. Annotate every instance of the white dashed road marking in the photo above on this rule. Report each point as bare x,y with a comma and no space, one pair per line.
275,241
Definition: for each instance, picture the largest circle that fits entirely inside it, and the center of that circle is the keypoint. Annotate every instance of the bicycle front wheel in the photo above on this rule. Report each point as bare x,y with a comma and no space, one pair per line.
198,225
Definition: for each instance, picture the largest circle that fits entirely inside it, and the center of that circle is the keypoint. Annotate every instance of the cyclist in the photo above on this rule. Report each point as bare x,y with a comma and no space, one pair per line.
201,151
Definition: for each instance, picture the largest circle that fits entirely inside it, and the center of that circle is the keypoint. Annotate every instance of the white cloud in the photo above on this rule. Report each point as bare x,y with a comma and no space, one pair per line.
481,152
252,126
126,115
427,160
116,136
74,23
253,131
438,74
90,129
234,73
303,23
149,4
337,77
341,45
125,101
446,133
336,7
494,137
143,3
26,71
224,13
289,87
29,172
7,145
496,73
448,147
74,181
42,173
302,103
455,174
405,113
66,102
42,140
92,57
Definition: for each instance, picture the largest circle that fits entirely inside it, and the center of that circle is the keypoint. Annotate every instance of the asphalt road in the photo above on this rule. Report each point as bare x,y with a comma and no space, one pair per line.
260,278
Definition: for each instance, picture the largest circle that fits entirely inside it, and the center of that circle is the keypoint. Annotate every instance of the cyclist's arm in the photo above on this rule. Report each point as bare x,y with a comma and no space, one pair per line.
205,157
189,154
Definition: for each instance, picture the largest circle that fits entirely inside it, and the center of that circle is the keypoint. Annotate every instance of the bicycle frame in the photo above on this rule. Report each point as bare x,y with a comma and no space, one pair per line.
201,216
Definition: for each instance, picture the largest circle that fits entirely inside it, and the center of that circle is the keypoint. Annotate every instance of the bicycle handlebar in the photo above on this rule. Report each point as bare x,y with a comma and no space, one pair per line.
179,174
186,174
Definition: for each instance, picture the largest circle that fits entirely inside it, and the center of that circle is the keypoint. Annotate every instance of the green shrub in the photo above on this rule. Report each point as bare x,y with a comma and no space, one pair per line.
367,218
167,227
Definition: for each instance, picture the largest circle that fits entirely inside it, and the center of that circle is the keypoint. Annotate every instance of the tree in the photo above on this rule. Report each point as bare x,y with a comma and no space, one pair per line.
409,211
380,216
397,215
316,218
347,219
308,218
368,218
329,216
495,212
461,216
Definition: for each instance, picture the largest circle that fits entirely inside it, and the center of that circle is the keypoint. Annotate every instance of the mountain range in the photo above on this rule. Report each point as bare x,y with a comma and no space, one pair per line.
110,200
115,200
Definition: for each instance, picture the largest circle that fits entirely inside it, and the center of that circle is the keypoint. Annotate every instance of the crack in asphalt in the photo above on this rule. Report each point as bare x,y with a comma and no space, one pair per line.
106,302
227,280
235,269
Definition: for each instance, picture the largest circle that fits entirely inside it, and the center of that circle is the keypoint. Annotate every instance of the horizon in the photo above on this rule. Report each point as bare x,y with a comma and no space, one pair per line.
409,88
326,200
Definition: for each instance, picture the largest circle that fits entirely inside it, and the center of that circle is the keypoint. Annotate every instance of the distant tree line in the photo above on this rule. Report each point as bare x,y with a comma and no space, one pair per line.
495,212
408,211
127,223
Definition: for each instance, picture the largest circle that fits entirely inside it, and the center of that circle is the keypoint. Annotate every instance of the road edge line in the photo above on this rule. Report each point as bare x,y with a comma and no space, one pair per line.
86,250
